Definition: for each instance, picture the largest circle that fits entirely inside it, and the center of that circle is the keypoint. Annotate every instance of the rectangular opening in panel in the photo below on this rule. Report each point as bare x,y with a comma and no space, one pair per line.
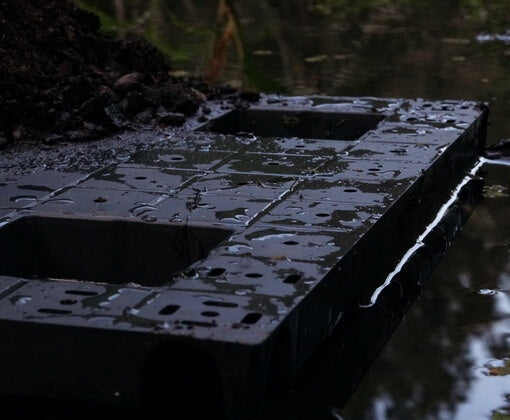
106,251
301,124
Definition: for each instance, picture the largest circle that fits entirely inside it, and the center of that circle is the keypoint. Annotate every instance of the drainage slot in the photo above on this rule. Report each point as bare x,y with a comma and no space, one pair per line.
198,324
210,313
68,302
251,318
302,124
215,272
107,251
169,310
52,311
292,278
81,292
221,304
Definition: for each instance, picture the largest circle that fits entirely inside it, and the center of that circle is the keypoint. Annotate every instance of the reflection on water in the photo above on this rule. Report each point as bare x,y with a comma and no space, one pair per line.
387,48
441,361
450,356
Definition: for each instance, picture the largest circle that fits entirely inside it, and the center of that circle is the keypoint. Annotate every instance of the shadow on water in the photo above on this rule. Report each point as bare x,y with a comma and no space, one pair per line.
449,358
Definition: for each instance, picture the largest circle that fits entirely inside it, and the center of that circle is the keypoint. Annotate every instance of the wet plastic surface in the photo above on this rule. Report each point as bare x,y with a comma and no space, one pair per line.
240,244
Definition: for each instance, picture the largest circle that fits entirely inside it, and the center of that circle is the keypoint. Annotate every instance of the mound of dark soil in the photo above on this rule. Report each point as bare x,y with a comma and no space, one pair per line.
63,79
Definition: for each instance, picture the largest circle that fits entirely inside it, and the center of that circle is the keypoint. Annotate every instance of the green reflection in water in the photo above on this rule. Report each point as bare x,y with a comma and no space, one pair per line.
398,48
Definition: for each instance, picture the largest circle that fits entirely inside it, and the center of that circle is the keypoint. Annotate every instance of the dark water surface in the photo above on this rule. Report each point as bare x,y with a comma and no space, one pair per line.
450,357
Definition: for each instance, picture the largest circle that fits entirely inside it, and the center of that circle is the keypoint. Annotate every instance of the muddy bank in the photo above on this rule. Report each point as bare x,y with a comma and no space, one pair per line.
62,79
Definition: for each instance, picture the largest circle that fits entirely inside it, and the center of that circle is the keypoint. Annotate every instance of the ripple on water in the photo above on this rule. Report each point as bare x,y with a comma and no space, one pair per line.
486,291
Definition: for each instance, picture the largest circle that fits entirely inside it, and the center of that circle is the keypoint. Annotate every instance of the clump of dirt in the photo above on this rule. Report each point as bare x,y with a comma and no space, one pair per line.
62,79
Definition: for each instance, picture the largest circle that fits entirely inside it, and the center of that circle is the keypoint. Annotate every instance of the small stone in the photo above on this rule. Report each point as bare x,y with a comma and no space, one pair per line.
152,95
101,199
171,118
105,90
199,95
133,103
144,116
128,82
93,109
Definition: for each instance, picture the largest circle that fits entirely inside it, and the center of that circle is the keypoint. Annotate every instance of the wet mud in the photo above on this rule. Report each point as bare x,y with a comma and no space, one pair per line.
62,79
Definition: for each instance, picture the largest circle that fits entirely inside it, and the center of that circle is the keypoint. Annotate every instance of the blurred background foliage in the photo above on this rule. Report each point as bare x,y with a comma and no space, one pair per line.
391,48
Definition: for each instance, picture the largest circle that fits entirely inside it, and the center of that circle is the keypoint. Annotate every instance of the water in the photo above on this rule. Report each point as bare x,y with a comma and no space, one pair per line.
379,48
438,363
447,359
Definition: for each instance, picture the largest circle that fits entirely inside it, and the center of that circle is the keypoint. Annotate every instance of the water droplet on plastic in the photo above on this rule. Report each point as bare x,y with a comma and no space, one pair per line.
61,201
242,292
23,198
131,311
141,209
238,248
275,236
21,300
